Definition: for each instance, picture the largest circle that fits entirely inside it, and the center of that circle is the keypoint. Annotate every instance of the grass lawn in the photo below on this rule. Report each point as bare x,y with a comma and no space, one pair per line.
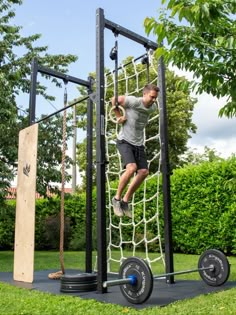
18,301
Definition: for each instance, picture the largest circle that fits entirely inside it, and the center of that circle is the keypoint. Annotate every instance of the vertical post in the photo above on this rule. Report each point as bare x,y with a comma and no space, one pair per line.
100,153
165,173
89,181
32,103
74,150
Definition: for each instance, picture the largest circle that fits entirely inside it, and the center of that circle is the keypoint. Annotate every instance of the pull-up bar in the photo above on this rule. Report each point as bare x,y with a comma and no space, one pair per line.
117,29
60,75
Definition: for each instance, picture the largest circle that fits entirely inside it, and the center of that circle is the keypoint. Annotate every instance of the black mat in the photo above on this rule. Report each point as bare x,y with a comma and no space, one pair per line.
163,294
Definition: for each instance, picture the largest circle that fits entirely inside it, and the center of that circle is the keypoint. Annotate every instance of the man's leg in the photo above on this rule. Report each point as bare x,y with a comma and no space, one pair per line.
127,152
125,178
136,182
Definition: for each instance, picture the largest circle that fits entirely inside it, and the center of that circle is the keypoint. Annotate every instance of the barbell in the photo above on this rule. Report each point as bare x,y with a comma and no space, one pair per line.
136,278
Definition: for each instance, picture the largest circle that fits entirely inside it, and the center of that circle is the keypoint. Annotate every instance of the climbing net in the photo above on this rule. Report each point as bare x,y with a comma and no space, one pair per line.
141,233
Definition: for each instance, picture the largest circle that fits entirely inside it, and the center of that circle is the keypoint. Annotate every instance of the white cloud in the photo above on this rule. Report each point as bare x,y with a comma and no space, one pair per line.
215,132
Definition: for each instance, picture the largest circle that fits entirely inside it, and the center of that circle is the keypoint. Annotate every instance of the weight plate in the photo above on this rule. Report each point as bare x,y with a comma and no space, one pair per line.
140,291
221,268
76,287
82,282
77,283
79,278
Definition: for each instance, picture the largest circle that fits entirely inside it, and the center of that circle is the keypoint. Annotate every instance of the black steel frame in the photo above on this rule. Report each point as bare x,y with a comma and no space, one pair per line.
35,68
101,24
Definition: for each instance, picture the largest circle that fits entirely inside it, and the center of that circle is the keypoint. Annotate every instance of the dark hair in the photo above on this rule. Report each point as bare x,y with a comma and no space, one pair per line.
151,87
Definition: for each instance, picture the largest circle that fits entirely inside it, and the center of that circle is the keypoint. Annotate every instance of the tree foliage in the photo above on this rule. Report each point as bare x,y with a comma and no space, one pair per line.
50,145
16,54
203,42
192,157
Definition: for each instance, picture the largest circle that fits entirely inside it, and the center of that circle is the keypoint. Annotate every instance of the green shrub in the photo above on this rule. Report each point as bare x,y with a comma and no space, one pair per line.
7,225
78,242
47,222
203,203
52,232
47,234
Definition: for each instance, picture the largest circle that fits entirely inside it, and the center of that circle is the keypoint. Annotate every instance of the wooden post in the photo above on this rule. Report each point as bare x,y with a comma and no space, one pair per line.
25,205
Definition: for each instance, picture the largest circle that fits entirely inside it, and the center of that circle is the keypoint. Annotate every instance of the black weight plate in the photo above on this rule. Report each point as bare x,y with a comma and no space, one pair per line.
79,278
141,291
77,283
72,288
220,273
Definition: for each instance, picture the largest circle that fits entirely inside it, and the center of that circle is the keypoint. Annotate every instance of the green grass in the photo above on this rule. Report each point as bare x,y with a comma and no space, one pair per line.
18,301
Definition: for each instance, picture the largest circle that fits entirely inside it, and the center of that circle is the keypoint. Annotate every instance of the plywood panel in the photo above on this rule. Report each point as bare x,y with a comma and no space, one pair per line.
25,205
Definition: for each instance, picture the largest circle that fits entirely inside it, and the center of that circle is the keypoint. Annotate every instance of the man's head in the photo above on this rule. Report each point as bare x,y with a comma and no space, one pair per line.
150,93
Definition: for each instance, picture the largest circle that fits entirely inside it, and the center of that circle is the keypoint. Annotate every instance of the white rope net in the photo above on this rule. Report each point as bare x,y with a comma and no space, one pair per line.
141,234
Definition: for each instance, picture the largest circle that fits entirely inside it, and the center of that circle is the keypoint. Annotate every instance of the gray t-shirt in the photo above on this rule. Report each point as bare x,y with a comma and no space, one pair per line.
137,118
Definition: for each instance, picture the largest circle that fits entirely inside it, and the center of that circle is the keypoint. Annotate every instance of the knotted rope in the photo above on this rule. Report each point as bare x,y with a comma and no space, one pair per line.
58,274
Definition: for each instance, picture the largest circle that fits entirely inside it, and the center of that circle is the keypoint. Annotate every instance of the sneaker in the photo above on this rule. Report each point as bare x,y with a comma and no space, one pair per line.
125,207
117,207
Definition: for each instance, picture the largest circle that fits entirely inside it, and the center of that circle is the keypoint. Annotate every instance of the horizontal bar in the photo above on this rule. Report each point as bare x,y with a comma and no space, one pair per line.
132,280
65,77
64,108
117,29
211,267
127,63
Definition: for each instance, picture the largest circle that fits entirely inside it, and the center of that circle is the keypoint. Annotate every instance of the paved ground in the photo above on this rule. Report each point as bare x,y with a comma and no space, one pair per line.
162,294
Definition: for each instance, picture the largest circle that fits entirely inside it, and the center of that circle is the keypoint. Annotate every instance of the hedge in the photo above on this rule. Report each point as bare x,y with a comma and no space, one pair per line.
47,223
203,204
204,207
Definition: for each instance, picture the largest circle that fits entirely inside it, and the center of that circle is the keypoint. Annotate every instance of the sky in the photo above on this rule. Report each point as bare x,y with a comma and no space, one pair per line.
69,27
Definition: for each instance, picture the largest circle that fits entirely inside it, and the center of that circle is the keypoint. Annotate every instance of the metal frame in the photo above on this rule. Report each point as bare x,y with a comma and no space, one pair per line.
35,68
101,24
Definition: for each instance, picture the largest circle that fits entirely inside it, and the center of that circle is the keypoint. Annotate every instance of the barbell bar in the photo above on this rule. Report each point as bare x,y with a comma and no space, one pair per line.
136,279
163,276
132,280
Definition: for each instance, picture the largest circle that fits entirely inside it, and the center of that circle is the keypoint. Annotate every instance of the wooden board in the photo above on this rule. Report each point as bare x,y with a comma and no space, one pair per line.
25,205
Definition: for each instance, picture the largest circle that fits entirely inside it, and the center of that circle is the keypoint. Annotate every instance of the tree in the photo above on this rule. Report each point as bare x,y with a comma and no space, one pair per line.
179,106
193,157
204,43
50,155
8,140
15,73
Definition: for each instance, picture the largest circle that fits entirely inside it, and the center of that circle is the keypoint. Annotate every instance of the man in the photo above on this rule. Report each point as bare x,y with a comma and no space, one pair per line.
130,143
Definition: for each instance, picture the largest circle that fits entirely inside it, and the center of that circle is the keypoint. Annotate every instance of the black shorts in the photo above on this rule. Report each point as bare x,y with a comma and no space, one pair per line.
132,154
